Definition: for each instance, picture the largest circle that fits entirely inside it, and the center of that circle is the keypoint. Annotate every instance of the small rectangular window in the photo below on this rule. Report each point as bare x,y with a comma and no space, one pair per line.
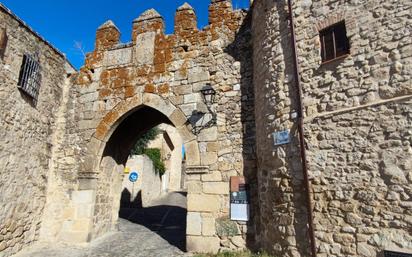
29,80
396,254
3,42
334,42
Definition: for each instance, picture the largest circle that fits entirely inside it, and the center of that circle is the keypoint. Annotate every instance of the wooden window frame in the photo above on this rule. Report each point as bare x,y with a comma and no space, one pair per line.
331,30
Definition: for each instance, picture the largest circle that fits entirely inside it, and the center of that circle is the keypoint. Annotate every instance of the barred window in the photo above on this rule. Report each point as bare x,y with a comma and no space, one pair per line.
3,42
334,42
29,80
396,254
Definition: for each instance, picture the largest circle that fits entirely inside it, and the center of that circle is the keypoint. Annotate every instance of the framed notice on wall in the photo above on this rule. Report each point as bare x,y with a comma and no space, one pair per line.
239,199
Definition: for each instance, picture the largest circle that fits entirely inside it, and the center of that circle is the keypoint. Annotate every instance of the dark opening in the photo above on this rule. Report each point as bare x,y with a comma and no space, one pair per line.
185,48
167,216
334,42
396,254
3,42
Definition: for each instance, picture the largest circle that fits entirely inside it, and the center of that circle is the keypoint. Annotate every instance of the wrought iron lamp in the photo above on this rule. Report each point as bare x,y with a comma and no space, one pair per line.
204,119
208,94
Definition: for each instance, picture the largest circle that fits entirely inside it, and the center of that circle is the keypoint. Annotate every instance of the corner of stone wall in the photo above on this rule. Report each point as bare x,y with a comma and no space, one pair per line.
78,216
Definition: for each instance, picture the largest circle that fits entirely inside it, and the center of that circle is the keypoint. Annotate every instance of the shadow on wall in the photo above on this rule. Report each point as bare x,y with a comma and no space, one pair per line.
293,155
167,221
241,51
282,203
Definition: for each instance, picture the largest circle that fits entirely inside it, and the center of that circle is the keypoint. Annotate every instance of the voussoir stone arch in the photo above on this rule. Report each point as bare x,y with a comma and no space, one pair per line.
121,111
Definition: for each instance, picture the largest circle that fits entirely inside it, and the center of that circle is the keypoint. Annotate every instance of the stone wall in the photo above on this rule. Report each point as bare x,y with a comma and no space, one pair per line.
159,77
147,188
361,166
357,128
26,132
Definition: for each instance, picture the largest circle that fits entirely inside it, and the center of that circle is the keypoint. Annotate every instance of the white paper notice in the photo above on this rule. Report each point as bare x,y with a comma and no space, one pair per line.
239,212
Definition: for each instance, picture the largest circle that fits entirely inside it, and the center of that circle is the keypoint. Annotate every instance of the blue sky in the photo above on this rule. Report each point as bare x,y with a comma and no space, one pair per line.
64,22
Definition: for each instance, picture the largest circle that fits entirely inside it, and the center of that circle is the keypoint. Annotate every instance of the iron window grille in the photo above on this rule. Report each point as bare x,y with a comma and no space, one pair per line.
396,254
334,42
29,80
3,42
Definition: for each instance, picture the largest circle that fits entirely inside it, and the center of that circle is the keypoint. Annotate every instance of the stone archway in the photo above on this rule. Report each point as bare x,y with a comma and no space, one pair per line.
113,119
100,184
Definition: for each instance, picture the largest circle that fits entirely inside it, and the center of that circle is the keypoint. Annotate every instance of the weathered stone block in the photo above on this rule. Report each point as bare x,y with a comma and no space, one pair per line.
203,203
208,226
118,57
209,134
188,109
208,158
226,227
81,225
178,118
74,237
198,74
213,176
159,104
239,242
83,197
194,187
84,211
201,244
192,153
194,223
144,49
219,188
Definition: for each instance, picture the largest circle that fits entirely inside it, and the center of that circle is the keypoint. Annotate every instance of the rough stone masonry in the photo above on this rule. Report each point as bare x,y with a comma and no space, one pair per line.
27,132
126,88
358,127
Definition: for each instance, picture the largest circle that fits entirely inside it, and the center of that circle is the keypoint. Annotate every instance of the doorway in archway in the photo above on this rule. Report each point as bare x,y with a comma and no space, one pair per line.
154,200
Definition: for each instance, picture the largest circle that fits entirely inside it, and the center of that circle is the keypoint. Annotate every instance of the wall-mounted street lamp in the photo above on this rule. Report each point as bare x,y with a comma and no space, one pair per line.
205,118
208,94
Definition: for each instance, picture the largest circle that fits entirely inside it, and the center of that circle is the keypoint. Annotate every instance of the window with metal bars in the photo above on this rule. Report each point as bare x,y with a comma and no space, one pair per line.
334,42
3,42
396,254
29,80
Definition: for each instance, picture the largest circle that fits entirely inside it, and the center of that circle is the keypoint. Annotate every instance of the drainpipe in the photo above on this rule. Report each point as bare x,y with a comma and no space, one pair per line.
301,132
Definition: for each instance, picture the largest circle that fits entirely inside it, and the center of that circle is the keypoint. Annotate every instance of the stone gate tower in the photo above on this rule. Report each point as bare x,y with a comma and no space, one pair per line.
66,135
124,89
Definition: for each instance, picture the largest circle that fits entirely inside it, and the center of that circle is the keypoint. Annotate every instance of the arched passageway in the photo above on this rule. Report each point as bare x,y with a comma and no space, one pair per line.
166,216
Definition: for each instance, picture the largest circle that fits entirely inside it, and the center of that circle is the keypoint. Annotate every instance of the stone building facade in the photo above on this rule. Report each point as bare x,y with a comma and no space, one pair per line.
27,131
357,124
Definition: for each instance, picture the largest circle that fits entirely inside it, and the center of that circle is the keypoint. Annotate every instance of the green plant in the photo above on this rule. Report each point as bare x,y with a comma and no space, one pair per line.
153,153
141,144
156,157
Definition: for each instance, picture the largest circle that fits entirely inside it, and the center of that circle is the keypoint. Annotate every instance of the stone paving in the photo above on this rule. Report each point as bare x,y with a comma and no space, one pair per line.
148,232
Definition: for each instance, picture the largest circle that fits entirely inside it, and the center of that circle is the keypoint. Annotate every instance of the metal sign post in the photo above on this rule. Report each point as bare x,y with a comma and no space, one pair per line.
133,176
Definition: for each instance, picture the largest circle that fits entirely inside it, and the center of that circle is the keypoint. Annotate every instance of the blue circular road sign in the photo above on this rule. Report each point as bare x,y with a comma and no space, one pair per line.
133,176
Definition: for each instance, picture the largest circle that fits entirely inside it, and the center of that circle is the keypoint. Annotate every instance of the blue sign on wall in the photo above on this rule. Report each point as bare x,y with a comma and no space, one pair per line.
281,137
133,176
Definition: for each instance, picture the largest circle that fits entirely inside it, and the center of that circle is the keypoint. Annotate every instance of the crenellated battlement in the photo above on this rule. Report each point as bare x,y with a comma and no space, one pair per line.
185,20
107,36
222,19
149,21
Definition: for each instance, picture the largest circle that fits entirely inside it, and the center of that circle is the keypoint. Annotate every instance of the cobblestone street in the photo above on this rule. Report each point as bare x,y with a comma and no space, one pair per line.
148,232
